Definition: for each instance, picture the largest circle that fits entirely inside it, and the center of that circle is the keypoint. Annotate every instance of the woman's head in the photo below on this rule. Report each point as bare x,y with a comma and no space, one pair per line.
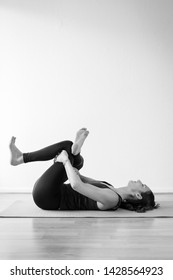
139,198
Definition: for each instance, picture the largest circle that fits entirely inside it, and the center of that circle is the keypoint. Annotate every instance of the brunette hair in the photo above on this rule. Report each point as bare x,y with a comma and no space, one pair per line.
141,205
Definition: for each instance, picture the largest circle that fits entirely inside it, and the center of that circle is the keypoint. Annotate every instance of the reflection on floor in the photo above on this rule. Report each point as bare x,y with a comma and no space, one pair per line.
88,238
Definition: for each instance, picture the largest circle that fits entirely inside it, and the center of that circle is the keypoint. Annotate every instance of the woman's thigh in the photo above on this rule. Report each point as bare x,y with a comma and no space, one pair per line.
47,189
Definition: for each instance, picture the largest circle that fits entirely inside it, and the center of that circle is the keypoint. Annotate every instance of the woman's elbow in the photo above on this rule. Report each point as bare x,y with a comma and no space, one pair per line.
76,185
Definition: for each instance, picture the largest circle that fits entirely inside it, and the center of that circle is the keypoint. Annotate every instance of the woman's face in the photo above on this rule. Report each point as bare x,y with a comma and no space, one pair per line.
138,186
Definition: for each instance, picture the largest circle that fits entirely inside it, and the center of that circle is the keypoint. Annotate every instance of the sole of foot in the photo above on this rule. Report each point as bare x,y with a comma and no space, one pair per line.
81,136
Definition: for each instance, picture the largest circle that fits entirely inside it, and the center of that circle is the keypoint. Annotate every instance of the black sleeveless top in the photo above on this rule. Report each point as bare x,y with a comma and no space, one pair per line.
72,200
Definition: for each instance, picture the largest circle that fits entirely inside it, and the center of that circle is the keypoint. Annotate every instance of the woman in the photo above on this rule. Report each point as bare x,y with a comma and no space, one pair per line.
82,193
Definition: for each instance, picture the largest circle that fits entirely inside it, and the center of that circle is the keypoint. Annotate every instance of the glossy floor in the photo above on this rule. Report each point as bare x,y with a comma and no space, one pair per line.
86,238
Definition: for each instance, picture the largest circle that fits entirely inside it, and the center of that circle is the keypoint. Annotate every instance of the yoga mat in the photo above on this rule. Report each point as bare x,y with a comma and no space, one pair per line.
28,209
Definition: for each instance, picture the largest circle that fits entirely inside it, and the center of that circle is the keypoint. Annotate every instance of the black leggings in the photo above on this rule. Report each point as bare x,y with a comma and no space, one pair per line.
47,189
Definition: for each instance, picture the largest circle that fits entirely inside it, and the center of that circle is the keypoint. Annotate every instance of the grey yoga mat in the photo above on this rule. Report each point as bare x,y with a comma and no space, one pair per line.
22,208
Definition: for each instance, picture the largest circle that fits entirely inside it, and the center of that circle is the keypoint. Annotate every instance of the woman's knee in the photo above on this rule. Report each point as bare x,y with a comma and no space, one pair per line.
79,163
67,145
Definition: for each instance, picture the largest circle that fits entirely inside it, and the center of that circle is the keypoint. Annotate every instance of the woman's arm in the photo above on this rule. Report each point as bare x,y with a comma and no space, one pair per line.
106,197
85,179
72,175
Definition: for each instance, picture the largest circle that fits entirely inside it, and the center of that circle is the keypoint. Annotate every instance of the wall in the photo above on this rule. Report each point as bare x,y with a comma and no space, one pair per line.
105,65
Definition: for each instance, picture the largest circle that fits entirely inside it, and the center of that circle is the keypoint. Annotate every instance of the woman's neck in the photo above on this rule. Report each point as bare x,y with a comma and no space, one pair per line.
123,192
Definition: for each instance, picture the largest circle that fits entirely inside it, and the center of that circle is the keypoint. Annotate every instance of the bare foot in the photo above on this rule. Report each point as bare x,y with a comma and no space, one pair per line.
81,135
16,154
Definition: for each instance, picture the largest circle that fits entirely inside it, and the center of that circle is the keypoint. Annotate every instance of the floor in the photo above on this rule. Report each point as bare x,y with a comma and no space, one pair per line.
86,238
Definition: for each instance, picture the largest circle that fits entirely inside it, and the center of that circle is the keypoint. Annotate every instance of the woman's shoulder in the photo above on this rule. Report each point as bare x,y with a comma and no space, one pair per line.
112,200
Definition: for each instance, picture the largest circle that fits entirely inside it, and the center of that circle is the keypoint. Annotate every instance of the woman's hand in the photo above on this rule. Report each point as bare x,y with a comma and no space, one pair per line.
77,171
62,157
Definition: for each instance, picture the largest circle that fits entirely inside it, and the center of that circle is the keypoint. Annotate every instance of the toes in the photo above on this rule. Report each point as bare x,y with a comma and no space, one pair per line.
13,139
84,128
86,133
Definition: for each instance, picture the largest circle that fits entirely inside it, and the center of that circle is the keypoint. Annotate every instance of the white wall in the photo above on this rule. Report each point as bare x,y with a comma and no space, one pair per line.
106,65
